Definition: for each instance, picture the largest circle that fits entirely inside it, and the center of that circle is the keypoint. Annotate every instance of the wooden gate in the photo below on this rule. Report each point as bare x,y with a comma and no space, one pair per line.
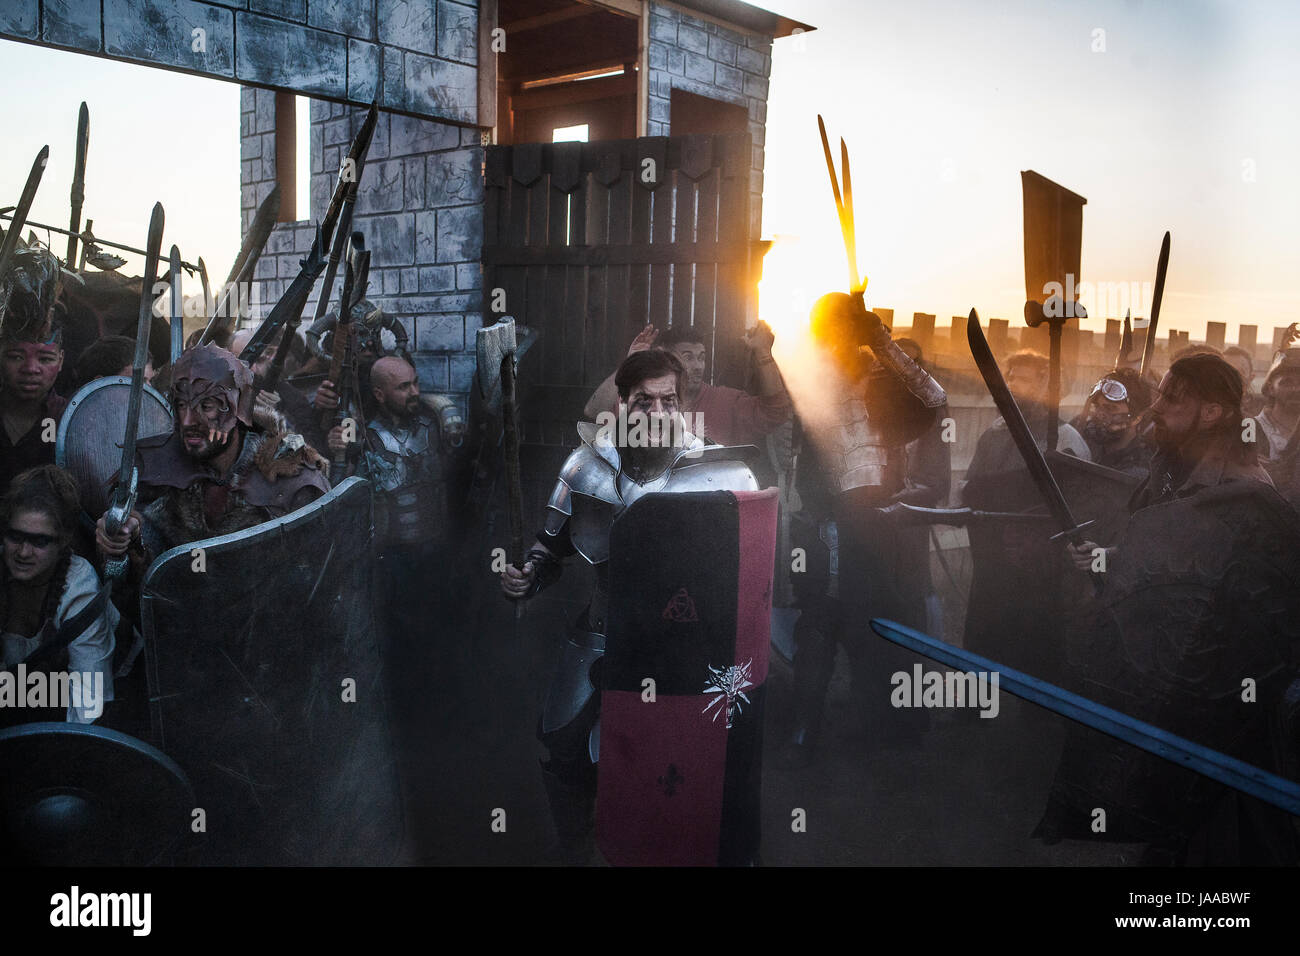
590,241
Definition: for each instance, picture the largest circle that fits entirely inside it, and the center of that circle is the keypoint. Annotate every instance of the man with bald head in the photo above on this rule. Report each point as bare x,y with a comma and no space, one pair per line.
409,452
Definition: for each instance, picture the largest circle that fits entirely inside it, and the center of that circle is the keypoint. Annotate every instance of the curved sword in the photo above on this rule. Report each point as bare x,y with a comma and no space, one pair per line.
127,476
1042,475
1149,347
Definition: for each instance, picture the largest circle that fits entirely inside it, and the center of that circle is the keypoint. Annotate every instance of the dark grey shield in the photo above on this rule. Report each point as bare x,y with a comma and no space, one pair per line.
89,443
266,687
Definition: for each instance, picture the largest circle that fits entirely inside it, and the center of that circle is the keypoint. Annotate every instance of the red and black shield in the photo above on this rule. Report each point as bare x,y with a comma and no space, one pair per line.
690,601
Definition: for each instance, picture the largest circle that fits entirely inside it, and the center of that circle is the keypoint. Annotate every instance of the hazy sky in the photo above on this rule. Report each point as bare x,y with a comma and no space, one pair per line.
1185,122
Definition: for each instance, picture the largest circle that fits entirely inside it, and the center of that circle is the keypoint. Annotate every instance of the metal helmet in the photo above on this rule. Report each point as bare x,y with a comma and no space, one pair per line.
209,371
28,290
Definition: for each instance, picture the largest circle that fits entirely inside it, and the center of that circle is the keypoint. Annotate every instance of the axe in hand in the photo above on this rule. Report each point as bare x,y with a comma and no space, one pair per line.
496,353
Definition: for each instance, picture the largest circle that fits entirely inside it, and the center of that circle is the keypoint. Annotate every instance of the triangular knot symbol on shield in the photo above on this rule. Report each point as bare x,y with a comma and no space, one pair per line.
681,608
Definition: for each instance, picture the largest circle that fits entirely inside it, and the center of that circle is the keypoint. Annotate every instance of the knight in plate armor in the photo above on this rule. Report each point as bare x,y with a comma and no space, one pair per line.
854,463
648,450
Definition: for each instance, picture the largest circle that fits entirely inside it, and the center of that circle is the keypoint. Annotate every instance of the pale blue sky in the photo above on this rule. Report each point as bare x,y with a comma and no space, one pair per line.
942,103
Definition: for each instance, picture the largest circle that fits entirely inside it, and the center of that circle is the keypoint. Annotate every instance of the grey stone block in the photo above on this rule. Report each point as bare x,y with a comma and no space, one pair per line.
20,18
316,139
250,147
660,109
676,61
71,24
662,28
289,267
457,32
247,195
728,77
409,136
692,38
668,13
752,61
470,137
303,237
410,283
295,10
439,278
700,68
381,188
264,189
758,111
723,51
426,237
363,70
460,373
759,43
338,132
433,304
392,237
695,23
247,99
379,143
266,268
333,157
320,111
288,55
410,24
731,36
469,275
440,88
755,86
161,31
322,187
351,17
394,70
657,56
413,185
440,333
454,178
268,167
392,281
656,128
432,370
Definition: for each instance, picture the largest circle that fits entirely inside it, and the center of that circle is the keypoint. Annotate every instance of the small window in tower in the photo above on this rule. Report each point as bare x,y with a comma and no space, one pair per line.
570,134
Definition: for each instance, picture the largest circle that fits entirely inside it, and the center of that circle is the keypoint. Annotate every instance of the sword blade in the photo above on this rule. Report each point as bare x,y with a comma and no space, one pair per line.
1162,267
850,226
78,195
143,325
1042,476
19,217
1272,789
178,314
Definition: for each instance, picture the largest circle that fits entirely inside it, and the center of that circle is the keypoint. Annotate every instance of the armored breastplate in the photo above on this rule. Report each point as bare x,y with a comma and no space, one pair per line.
593,490
854,449
410,488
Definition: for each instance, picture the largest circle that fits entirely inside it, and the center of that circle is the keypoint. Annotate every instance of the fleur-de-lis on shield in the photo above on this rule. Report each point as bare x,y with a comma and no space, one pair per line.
728,683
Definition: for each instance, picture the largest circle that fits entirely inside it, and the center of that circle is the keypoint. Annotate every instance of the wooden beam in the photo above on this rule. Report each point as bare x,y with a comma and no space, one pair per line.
628,8
547,19
643,71
487,68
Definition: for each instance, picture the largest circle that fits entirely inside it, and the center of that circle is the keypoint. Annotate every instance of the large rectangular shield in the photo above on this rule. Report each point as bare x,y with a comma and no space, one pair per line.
265,687
690,602
1053,235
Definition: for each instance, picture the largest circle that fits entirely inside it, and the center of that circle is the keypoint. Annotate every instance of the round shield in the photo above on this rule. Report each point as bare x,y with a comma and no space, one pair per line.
80,795
92,430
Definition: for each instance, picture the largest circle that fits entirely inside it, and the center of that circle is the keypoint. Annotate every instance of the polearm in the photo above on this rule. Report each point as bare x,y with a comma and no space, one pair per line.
78,195
358,266
341,206
87,237
124,492
287,311
177,310
1162,267
843,206
20,212
1229,771
1041,474
340,344
241,270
